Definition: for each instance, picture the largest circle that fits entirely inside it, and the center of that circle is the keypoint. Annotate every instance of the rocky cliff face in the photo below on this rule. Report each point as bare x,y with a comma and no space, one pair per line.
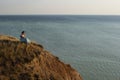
20,61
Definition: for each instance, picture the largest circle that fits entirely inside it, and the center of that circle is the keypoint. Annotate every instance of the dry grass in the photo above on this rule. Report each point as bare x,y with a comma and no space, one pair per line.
20,61
6,37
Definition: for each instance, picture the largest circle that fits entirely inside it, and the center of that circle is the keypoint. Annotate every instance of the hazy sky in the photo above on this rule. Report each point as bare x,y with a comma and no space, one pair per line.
111,7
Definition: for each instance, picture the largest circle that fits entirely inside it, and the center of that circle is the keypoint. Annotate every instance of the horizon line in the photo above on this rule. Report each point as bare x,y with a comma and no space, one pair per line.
60,14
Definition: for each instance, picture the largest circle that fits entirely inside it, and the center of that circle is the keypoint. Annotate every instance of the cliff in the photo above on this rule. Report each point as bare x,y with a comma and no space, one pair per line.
20,61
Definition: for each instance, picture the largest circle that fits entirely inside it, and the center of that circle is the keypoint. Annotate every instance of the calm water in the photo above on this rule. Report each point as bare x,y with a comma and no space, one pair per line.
91,44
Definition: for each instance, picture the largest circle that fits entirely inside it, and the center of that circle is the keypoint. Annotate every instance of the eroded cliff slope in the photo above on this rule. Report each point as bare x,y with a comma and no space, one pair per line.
20,61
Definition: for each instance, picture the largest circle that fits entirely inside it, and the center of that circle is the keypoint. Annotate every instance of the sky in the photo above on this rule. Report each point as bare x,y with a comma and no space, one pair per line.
84,7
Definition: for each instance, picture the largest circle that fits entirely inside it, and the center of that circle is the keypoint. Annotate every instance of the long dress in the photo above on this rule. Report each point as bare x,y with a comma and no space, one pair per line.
24,39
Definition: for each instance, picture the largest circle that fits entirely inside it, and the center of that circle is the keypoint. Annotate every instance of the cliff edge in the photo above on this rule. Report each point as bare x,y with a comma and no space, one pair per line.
20,61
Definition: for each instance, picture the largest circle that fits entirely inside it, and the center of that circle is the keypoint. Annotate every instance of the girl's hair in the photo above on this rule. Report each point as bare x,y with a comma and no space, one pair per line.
23,32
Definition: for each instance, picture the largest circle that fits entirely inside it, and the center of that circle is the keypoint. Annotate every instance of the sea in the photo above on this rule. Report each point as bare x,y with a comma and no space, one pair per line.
89,43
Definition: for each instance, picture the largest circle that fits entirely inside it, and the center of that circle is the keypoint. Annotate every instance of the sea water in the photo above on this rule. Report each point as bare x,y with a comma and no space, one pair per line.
91,44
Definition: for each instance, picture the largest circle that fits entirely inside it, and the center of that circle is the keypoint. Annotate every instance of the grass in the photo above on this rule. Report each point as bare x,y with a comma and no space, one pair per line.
20,61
